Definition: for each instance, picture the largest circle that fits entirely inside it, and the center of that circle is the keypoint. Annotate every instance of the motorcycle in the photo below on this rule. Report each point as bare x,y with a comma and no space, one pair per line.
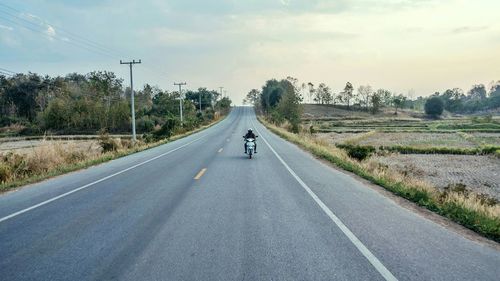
250,143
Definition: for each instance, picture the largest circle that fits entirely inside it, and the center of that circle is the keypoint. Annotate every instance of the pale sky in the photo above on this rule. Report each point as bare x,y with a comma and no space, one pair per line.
425,45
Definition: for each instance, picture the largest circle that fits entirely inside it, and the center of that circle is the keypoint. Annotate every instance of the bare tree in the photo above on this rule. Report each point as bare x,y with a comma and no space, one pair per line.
364,95
311,91
347,94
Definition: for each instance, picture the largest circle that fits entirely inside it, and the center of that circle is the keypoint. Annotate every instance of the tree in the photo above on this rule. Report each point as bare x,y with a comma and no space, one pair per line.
165,104
281,100
296,87
22,93
494,95
270,94
144,100
337,99
385,96
253,97
398,102
376,102
364,95
452,99
324,94
78,103
434,106
289,106
327,95
311,91
478,92
223,105
476,98
206,96
347,94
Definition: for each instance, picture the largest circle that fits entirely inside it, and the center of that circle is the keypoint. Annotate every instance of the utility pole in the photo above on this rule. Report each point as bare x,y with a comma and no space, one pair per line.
180,98
221,94
199,98
130,63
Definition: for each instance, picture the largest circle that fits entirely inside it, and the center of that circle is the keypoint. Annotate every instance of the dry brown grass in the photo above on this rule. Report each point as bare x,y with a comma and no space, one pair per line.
49,155
52,158
12,128
360,137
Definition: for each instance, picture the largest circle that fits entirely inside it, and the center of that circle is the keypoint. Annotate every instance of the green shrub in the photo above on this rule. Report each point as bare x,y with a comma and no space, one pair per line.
434,106
209,114
145,124
166,129
358,152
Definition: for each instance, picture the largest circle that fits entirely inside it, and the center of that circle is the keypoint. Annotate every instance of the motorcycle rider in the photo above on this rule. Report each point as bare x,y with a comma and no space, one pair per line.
250,135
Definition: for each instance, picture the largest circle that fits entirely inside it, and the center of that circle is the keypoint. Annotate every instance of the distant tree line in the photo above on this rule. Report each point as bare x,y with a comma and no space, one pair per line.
478,98
97,101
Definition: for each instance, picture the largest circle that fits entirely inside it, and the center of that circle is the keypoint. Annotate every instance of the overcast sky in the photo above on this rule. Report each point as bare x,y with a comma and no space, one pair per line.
425,45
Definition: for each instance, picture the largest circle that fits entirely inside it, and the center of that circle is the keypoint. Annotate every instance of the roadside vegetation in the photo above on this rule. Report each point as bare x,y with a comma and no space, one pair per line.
31,104
92,106
476,212
419,149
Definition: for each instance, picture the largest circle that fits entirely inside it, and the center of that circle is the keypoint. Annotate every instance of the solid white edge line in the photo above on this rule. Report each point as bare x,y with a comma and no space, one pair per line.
94,182
357,243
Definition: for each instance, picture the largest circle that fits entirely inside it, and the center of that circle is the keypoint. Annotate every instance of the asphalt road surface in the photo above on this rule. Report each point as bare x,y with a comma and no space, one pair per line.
198,209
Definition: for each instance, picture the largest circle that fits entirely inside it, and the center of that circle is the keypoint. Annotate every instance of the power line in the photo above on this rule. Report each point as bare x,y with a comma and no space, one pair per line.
8,71
71,38
56,38
69,34
6,74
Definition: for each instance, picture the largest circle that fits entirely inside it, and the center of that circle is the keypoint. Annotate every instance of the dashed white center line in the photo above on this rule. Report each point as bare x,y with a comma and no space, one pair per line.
200,174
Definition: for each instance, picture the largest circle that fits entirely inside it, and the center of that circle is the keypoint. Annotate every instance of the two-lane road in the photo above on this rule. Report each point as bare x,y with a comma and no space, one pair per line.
197,209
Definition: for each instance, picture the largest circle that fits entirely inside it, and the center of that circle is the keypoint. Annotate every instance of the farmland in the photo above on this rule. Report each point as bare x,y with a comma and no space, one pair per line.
454,152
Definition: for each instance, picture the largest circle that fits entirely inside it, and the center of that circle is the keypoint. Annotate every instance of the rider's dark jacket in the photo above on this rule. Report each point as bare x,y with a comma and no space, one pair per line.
250,135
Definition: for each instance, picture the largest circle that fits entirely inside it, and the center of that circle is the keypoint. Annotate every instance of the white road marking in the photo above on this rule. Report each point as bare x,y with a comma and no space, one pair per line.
93,183
361,247
220,150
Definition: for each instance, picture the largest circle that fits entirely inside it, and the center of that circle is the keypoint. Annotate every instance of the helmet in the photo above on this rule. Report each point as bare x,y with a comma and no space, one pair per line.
250,130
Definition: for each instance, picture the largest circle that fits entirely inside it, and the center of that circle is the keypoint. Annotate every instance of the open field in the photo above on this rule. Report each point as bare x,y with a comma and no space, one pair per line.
482,173
430,146
25,146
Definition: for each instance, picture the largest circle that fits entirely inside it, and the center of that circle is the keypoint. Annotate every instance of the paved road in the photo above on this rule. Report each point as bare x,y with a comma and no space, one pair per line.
280,216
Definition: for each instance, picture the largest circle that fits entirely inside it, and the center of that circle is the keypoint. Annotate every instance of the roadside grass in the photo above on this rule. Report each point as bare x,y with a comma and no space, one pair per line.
467,209
52,160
